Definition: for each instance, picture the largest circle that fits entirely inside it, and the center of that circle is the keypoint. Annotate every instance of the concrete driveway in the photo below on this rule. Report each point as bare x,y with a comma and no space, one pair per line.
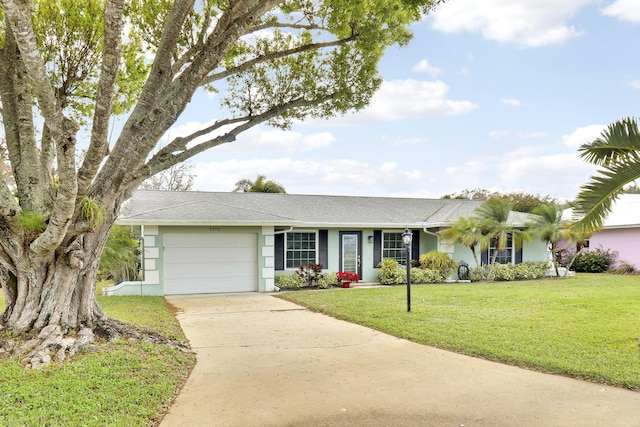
267,362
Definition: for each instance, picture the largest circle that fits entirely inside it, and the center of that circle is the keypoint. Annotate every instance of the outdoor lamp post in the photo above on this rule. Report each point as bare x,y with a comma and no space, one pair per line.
407,236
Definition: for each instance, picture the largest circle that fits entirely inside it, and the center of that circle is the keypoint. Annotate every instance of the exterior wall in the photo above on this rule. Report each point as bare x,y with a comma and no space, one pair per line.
624,241
536,250
154,265
150,285
428,241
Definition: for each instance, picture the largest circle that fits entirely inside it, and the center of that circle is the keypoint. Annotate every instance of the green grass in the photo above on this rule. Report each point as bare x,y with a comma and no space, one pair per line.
585,327
124,384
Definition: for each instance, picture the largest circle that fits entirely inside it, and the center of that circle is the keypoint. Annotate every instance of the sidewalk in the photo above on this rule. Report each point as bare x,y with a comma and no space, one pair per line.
263,361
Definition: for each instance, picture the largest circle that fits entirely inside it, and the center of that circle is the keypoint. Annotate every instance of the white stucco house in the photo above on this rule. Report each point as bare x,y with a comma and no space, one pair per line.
207,242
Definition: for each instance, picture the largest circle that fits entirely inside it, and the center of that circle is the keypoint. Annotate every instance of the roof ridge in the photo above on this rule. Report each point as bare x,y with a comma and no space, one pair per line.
249,209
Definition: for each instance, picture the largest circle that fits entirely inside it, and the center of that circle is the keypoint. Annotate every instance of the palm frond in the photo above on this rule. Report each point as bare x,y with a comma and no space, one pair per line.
620,142
595,199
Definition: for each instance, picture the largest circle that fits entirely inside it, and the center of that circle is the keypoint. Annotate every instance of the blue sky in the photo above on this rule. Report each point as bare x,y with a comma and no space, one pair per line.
493,94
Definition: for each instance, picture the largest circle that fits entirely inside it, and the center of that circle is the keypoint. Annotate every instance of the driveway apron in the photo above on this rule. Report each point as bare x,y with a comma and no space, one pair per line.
263,361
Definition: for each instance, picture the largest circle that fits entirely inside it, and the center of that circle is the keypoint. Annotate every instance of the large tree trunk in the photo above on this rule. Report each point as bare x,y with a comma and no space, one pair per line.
54,297
48,271
52,292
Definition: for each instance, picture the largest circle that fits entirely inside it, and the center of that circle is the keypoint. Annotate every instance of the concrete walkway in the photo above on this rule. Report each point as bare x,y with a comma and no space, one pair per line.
267,362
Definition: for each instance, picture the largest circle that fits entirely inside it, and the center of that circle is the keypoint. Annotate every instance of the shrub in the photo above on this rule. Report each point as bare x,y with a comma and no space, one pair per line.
596,261
625,268
527,270
286,281
310,273
327,281
531,270
424,275
120,259
439,262
391,273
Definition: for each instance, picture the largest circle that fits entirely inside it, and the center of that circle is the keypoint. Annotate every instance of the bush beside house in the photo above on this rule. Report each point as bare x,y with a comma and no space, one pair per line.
527,270
435,267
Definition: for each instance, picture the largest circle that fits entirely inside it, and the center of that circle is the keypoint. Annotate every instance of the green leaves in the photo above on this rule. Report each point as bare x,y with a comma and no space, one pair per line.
619,143
325,53
618,152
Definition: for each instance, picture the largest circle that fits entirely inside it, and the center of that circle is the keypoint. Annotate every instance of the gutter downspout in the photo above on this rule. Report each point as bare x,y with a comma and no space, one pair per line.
283,231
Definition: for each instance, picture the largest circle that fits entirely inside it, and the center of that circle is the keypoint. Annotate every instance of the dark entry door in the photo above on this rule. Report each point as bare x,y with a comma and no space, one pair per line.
351,252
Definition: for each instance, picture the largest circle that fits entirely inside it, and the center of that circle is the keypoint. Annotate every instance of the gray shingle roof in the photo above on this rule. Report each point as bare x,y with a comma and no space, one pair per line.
209,208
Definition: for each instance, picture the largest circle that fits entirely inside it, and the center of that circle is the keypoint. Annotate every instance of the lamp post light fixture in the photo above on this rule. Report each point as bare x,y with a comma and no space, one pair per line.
407,236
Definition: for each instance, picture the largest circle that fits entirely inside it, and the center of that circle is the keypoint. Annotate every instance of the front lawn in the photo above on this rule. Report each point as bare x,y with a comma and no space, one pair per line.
125,384
585,327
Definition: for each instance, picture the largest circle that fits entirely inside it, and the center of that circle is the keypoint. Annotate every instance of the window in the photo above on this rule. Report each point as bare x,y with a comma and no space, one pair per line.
393,247
300,249
504,256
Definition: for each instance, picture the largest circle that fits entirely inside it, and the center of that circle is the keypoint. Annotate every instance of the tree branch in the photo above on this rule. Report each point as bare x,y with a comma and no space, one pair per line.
168,157
165,96
65,203
17,98
18,15
268,25
99,145
161,72
265,58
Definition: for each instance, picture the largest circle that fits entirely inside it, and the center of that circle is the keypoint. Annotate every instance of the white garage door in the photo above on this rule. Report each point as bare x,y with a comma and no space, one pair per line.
210,263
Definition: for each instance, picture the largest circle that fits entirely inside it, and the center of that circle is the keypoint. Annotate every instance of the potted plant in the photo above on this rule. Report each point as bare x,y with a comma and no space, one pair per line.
346,278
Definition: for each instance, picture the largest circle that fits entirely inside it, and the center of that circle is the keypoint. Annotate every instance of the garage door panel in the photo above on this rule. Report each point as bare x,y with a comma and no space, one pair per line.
210,263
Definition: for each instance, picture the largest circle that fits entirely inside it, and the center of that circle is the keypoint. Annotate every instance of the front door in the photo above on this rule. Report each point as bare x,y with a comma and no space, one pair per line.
350,254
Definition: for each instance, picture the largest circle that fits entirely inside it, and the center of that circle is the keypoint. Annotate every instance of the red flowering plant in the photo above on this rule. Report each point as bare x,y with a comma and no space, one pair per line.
345,276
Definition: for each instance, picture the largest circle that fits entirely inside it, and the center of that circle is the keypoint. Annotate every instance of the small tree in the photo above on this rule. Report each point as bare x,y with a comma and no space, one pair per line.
493,216
260,185
549,225
176,178
467,232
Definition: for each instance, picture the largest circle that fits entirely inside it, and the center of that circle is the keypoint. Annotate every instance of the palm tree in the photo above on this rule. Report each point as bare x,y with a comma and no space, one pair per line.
493,216
260,185
466,232
549,225
617,151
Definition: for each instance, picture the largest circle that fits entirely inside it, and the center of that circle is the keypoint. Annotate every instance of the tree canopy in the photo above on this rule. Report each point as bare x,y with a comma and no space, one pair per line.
260,185
520,201
67,68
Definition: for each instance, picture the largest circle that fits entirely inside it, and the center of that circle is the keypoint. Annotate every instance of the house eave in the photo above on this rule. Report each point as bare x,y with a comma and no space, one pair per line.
620,226
205,223
287,223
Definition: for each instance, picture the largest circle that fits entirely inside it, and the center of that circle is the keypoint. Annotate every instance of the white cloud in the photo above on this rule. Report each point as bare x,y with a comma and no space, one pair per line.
635,84
399,141
464,72
337,176
532,23
497,134
529,169
511,102
531,135
583,135
401,100
424,67
625,10
407,99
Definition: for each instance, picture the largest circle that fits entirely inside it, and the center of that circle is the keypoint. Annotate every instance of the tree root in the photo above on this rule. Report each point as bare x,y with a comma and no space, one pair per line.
53,344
